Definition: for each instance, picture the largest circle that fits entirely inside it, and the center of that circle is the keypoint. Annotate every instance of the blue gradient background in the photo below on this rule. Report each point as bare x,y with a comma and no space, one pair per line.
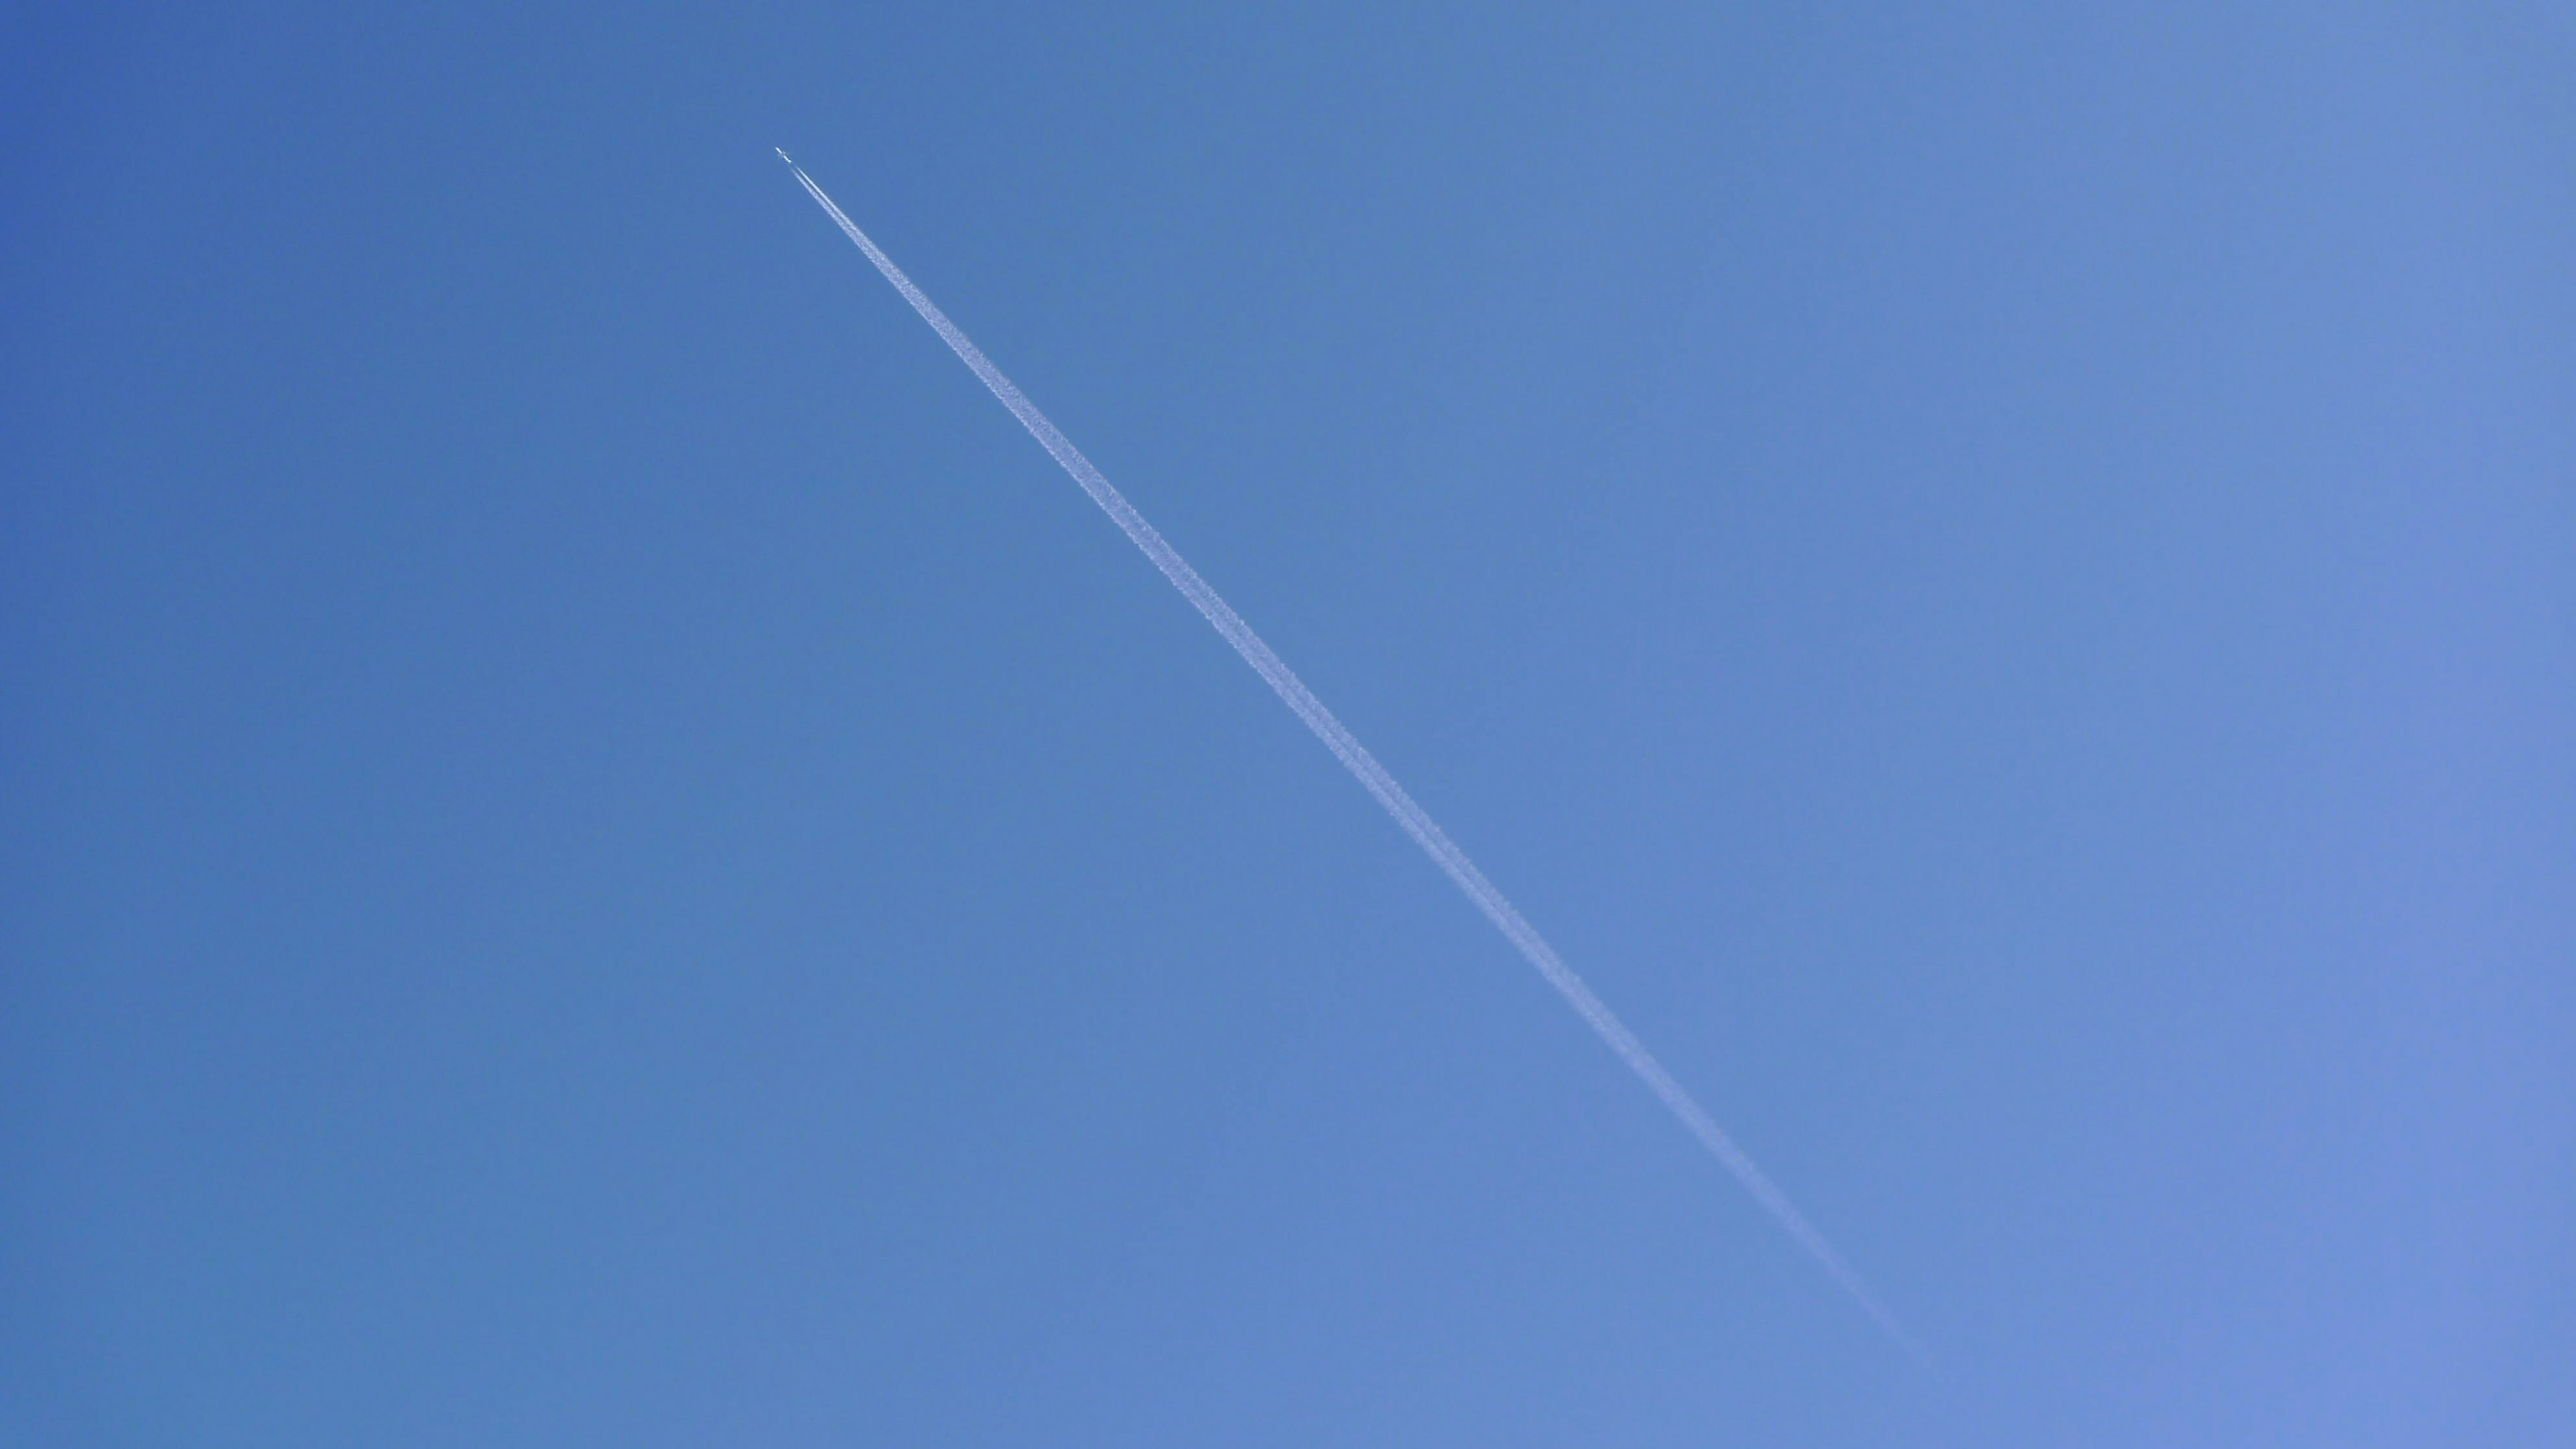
598,849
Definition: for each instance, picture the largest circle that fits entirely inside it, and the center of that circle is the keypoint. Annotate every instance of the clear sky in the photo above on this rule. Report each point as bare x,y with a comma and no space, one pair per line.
596,848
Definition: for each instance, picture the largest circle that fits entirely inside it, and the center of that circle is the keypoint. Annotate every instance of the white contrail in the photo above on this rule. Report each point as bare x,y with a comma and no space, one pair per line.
1355,757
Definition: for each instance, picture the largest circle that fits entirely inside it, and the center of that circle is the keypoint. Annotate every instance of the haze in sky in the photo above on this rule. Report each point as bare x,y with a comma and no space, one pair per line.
598,850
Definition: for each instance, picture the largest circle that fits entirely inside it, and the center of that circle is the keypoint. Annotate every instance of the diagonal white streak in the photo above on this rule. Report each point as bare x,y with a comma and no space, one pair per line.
1363,766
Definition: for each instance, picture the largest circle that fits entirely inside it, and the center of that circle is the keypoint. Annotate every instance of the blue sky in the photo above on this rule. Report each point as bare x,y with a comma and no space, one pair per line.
600,849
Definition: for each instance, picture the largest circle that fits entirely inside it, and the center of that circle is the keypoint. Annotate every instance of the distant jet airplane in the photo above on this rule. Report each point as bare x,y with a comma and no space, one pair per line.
783,156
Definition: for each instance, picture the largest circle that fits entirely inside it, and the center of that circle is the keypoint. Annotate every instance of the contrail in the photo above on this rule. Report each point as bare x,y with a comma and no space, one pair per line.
1364,767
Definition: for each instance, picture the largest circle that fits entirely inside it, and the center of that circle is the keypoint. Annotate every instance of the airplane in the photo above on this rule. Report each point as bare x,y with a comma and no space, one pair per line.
783,156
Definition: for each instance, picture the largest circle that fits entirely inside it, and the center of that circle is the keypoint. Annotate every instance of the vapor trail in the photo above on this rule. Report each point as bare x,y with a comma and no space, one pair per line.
1363,766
